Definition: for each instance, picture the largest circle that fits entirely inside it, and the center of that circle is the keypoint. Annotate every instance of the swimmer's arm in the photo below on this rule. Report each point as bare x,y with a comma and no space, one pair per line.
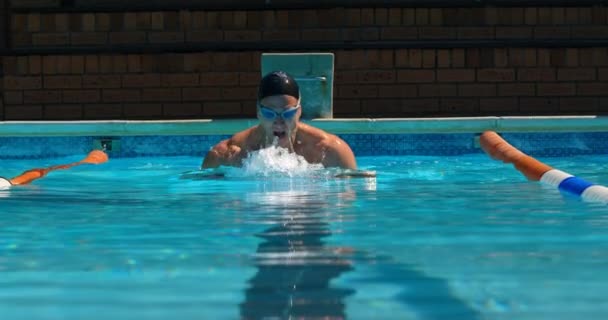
224,154
339,154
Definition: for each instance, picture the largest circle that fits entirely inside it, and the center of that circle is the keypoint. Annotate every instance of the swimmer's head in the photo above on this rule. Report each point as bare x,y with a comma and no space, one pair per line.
279,107
278,83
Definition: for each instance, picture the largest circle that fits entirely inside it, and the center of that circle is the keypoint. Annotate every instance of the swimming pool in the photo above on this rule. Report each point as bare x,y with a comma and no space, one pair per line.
442,232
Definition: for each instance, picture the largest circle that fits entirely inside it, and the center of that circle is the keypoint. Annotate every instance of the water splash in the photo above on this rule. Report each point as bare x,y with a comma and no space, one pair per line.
278,161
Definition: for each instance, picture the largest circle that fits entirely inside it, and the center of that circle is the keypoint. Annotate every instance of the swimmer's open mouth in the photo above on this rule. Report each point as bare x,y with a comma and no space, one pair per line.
279,134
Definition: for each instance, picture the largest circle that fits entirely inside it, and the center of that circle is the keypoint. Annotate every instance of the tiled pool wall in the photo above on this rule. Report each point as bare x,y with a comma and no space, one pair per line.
436,144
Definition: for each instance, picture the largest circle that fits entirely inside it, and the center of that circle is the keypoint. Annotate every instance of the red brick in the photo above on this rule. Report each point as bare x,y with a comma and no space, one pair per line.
13,97
477,90
475,33
578,105
141,80
428,58
119,63
81,96
347,77
398,91
456,75
460,106
420,106
254,20
91,64
77,65
64,64
556,89
575,74
552,33
103,111
121,95
88,38
41,96
357,91
63,112
50,39
129,21
249,78
219,78
377,76
180,80
458,58
398,33
380,108
33,22
416,76
495,75
166,37
538,105
222,108
592,89
347,107
21,39
101,81
589,32
530,57
127,37
408,16
142,110
197,62
182,109
536,74
498,106
602,74
438,90
22,83
18,23
105,64
572,57
436,17
157,94
242,35
281,35
531,16
201,94
473,57
239,93
438,33
22,65
33,112
171,21
558,57
543,58
415,58
62,82
422,16
443,58
516,89
102,22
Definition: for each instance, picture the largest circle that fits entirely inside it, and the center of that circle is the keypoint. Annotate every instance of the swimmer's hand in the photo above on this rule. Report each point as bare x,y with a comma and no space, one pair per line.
224,154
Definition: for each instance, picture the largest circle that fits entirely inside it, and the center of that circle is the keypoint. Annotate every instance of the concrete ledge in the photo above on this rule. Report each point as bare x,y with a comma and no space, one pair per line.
338,126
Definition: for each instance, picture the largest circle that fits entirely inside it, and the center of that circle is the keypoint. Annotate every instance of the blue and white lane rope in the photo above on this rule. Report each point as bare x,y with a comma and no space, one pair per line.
574,185
499,149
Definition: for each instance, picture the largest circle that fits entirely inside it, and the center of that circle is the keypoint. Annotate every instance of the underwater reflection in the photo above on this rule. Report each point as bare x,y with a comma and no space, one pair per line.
295,266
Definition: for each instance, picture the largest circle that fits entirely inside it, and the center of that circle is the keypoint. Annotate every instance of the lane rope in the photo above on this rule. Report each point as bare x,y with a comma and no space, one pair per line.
499,149
94,157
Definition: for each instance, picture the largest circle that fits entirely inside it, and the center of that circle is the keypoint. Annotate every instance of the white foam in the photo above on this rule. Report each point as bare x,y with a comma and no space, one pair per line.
277,161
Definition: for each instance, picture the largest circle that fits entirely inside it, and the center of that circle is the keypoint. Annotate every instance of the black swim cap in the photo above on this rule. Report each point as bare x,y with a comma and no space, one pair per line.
278,83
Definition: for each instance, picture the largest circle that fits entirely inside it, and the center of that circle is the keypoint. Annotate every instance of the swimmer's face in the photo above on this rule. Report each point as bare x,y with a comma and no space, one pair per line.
279,115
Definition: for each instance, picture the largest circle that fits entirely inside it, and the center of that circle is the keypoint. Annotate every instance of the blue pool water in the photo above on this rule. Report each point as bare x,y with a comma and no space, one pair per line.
432,237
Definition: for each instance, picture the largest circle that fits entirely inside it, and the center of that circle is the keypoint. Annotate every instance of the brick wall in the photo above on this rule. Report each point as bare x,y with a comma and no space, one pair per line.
390,62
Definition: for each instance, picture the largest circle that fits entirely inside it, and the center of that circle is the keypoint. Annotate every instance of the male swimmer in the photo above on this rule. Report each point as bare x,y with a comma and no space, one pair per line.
279,111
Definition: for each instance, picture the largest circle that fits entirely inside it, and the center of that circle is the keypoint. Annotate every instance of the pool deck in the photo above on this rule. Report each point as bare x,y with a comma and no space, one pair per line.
588,123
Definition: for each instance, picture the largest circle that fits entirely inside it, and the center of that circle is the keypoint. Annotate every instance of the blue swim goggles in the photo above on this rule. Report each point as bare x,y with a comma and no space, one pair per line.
270,114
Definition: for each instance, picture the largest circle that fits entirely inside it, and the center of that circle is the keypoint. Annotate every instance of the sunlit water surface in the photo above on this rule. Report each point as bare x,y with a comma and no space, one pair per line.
460,237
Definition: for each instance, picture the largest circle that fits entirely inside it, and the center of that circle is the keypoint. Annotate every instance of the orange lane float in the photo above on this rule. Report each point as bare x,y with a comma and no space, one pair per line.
94,157
499,149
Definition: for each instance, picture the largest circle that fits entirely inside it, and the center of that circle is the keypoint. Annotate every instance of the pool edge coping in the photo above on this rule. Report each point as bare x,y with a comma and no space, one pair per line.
587,123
